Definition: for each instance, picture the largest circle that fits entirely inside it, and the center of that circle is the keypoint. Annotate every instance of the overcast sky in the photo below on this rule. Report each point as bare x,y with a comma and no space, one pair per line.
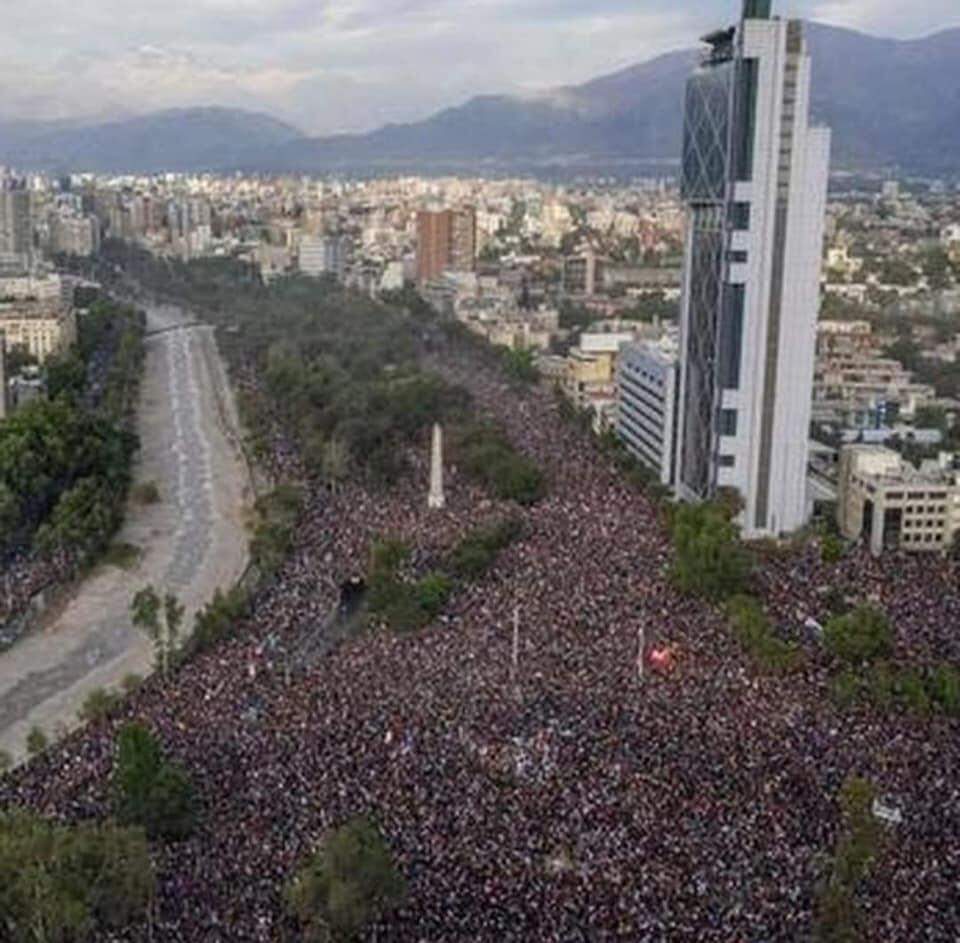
356,64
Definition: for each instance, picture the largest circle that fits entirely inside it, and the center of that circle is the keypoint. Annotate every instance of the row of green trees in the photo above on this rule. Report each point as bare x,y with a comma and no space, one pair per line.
274,528
884,685
71,883
80,882
861,644
839,917
61,473
65,462
340,371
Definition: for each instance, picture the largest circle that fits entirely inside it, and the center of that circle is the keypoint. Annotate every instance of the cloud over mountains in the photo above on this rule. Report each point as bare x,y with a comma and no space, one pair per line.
349,65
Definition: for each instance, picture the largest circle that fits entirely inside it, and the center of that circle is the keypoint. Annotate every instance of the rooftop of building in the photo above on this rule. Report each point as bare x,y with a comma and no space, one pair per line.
39,308
886,468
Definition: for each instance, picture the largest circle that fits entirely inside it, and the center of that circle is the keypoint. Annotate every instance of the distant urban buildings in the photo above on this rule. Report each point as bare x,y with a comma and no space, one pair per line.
855,386
682,316
754,180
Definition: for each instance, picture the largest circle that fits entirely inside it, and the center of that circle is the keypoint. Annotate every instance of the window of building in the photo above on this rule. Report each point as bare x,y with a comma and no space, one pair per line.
747,78
728,422
737,256
731,336
726,461
740,216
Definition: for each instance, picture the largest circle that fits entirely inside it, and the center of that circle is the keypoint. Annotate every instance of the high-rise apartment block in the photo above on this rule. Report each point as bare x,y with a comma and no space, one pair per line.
16,223
754,181
446,242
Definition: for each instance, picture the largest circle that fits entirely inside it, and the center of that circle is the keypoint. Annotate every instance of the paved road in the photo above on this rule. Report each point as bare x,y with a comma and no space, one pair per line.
193,540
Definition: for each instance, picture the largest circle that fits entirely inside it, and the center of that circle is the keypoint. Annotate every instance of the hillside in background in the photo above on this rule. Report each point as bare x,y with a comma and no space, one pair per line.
182,139
891,103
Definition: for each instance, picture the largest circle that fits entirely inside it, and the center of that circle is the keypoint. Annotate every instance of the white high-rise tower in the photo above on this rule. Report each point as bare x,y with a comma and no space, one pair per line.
755,183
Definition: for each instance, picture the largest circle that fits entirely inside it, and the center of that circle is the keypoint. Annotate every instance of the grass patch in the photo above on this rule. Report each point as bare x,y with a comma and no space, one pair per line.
146,493
98,704
37,741
124,556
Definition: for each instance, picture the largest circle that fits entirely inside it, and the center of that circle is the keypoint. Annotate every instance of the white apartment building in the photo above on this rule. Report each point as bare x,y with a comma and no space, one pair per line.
647,377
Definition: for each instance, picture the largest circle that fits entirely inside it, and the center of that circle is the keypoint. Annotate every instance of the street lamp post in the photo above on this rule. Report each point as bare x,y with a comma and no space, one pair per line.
516,651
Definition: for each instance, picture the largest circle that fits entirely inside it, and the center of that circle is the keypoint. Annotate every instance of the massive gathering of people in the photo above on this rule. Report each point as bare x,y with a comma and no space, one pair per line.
559,796
23,580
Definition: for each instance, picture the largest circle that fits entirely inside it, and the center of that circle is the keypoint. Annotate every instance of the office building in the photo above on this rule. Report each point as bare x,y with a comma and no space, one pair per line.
583,274
754,183
647,377
893,505
446,241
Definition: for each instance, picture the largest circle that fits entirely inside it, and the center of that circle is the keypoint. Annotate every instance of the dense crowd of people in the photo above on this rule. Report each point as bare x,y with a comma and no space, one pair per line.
561,798
24,577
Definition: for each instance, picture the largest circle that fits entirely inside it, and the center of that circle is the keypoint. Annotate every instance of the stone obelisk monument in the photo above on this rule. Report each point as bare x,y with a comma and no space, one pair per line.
436,498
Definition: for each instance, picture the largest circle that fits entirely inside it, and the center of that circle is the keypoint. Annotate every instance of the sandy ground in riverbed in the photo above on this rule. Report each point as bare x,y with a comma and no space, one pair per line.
192,541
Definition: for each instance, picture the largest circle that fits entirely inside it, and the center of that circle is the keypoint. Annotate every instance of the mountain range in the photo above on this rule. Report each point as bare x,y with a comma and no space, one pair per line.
891,103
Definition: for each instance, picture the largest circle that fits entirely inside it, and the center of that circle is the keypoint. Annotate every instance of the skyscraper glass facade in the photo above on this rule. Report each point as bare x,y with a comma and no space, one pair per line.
708,114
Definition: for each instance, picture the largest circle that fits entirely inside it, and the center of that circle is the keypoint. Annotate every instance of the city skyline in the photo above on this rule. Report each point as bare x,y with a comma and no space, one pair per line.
353,65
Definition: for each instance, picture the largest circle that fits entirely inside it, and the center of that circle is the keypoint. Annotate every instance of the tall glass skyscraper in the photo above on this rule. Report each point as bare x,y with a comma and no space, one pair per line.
754,179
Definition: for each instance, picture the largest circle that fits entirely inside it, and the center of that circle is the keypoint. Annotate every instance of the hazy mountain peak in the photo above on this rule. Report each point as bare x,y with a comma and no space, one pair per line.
631,115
